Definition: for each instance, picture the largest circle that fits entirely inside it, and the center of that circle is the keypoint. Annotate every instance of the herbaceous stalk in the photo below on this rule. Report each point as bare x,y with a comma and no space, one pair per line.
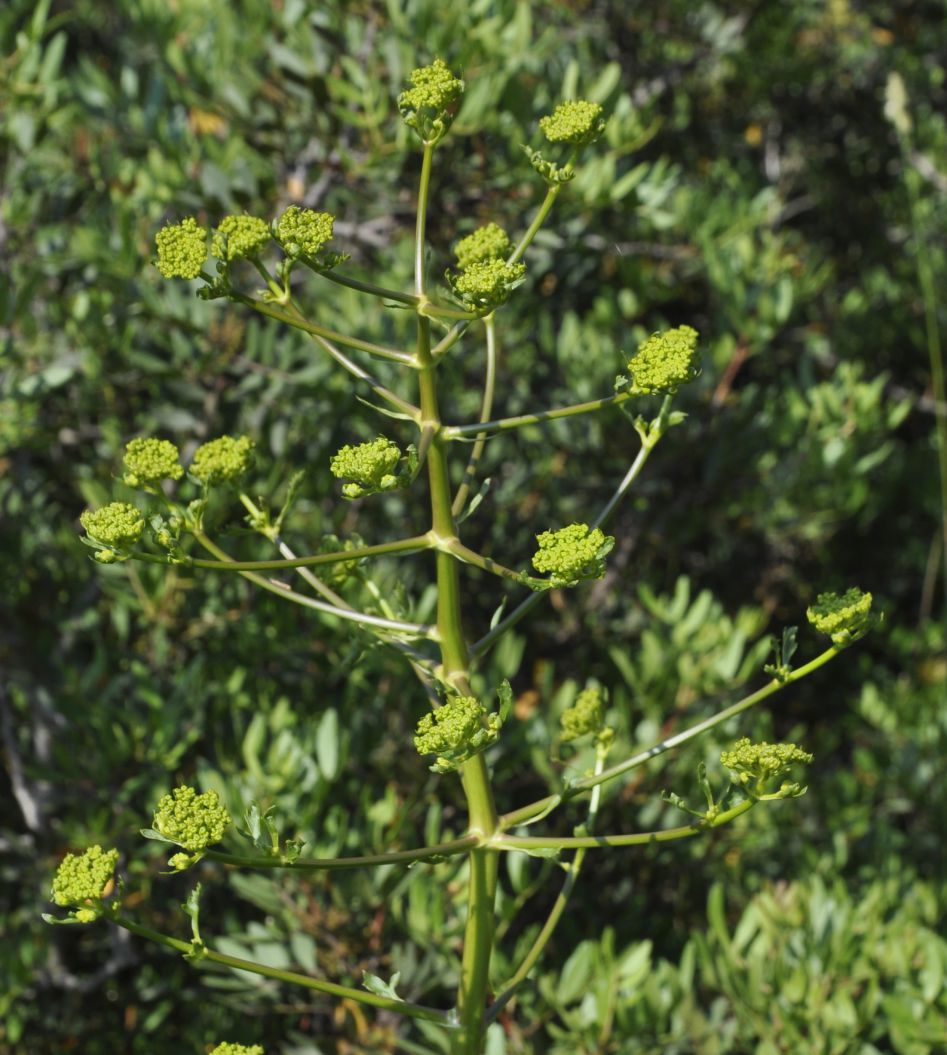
172,522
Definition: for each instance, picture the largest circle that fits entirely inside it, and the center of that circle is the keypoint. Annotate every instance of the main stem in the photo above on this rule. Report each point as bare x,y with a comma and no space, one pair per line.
481,896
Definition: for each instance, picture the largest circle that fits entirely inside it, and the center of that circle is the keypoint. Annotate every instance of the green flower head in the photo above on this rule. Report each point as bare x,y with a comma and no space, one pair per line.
227,1048
149,461
369,466
84,877
303,232
490,242
191,820
182,249
665,361
586,715
486,284
222,459
117,525
577,122
240,237
455,732
427,105
761,763
572,554
844,617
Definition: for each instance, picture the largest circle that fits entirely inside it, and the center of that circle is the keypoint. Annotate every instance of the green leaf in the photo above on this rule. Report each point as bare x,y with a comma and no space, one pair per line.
379,987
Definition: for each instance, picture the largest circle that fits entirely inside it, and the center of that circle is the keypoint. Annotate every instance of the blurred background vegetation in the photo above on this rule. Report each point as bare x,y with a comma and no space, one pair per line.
750,185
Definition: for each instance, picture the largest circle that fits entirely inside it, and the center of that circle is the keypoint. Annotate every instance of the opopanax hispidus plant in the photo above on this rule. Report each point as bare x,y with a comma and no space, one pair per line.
168,527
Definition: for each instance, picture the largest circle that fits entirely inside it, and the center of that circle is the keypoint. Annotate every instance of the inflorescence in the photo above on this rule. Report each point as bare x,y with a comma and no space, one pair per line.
82,880
114,528
370,467
586,715
844,617
489,242
221,460
572,554
149,461
760,764
240,238
665,361
428,105
191,820
485,284
303,232
575,121
228,1048
456,731
182,249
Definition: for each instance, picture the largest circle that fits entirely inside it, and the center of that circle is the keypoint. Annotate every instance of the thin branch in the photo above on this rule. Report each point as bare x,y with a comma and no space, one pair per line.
515,842
300,323
524,813
408,545
287,593
330,864
486,408
504,424
202,952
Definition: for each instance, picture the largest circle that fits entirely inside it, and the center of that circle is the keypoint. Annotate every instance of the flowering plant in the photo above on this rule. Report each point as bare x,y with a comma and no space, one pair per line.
462,731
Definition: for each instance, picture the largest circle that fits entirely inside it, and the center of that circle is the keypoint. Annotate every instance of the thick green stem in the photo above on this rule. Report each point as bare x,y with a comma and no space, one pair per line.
481,897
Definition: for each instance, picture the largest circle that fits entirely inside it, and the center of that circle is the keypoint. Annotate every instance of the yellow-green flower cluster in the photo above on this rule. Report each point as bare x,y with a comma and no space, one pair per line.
762,762
85,877
369,466
486,284
191,820
455,732
227,1048
665,361
433,87
577,122
586,715
489,242
117,525
182,249
303,232
572,554
222,459
844,617
240,237
149,461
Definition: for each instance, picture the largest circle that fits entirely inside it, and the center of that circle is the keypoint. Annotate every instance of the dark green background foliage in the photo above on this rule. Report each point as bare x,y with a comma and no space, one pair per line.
749,185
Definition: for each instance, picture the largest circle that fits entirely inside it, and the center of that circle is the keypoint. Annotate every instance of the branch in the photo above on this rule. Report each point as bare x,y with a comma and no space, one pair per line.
454,432
296,320
523,814
559,906
481,647
202,952
343,360
286,592
486,408
408,545
329,864
514,842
